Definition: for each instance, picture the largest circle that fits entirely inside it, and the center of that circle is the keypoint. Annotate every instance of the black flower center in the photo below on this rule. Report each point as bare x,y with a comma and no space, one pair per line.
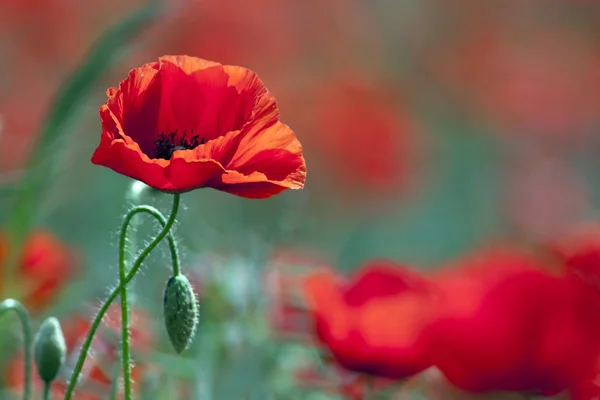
168,143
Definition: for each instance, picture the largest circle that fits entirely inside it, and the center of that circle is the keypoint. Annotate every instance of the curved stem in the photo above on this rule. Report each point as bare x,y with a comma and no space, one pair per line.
125,353
134,196
170,239
166,227
88,340
47,390
21,311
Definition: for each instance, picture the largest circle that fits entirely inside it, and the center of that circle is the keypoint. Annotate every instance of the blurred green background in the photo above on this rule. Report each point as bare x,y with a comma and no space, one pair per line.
429,128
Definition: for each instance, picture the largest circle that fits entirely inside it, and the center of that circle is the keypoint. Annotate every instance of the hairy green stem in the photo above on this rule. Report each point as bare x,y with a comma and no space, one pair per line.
47,386
166,227
125,352
125,357
14,305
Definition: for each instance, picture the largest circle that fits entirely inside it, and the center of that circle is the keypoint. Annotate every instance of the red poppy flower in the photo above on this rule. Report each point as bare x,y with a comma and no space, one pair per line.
373,325
46,264
97,371
184,123
507,324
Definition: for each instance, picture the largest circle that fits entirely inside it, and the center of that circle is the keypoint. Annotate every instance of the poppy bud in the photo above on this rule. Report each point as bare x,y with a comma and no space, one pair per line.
181,312
49,349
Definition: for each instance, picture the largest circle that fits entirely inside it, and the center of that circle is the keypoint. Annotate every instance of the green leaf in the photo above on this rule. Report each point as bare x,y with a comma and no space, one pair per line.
64,109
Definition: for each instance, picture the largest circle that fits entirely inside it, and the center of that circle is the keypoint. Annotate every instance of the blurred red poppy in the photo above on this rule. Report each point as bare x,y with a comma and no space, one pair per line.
545,194
350,112
98,369
245,33
373,325
508,323
588,387
40,42
20,117
579,250
50,31
184,123
45,266
530,80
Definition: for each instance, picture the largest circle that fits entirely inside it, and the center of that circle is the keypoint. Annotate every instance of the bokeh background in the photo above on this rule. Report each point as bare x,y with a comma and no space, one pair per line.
429,128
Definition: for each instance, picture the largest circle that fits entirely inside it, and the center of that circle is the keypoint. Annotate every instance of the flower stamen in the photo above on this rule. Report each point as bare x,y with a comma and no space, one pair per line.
167,144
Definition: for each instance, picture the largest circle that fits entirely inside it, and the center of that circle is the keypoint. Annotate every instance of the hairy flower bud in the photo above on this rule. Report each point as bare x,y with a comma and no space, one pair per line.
180,311
50,349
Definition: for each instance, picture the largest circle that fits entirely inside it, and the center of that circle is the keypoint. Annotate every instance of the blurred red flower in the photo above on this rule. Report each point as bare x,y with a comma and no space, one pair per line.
97,373
40,42
45,266
588,387
544,193
529,80
365,136
184,123
579,250
47,31
373,324
245,33
508,323
20,117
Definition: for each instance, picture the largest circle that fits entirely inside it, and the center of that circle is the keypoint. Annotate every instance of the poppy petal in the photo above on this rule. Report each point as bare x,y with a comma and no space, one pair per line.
125,157
132,93
273,156
180,176
188,64
265,111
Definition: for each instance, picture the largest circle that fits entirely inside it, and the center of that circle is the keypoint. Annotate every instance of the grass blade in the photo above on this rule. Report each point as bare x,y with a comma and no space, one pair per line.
68,101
